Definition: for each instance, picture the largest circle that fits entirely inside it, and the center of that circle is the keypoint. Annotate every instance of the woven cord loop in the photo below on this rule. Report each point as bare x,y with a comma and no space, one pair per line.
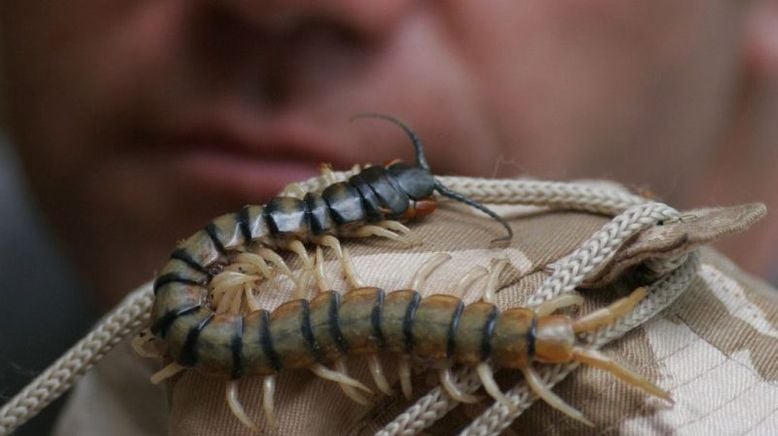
126,319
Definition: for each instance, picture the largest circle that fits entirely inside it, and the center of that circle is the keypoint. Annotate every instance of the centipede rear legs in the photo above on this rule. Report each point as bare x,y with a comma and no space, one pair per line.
577,353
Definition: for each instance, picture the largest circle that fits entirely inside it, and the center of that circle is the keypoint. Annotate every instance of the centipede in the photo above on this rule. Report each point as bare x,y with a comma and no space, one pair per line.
207,318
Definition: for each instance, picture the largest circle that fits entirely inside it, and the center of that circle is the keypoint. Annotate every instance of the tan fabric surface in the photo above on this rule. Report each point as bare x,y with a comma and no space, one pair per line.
715,349
116,398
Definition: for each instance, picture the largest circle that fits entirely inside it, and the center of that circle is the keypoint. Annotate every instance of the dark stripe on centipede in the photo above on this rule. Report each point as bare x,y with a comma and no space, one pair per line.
307,217
184,256
161,326
307,331
334,323
236,347
188,356
242,218
266,341
531,338
210,229
375,317
486,335
452,328
410,313
172,278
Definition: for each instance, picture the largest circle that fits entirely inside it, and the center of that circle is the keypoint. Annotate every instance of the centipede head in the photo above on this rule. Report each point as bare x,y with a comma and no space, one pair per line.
423,181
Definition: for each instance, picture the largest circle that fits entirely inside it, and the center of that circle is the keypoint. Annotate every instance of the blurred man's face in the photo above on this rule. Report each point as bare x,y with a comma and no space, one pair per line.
139,120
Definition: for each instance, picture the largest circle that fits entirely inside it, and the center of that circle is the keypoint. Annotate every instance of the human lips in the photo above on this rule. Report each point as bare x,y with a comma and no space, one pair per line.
252,164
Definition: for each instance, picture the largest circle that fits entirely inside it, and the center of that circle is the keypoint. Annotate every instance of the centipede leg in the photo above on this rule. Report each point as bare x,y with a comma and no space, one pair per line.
427,267
468,279
401,230
294,190
321,279
350,272
337,377
345,260
377,371
328,177
236,407
404,370
299,249
226,285
230,300
273,257
559,302
268,392
237,301
543,391
141,342
251,300
453,391
395,226
256,262
165,373
596,359
607,315
340,366
232,278
374,230
494,276
301,284
485,373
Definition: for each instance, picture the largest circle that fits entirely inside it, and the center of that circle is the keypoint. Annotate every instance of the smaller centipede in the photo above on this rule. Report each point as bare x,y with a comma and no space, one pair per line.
438,331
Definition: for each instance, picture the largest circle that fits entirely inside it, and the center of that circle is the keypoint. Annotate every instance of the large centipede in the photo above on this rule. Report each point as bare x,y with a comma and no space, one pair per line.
199,312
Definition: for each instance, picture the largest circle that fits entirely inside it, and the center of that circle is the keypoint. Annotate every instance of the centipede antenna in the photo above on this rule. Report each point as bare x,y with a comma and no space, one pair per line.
418,146
444,191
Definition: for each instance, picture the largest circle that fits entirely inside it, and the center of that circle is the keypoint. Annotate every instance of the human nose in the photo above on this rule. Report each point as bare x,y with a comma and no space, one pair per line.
366,19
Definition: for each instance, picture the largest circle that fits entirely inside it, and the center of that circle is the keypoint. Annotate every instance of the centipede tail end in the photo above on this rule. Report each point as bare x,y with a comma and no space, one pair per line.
599,360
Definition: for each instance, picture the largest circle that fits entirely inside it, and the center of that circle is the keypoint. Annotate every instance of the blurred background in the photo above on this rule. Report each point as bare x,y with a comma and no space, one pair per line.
44,309
136,122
